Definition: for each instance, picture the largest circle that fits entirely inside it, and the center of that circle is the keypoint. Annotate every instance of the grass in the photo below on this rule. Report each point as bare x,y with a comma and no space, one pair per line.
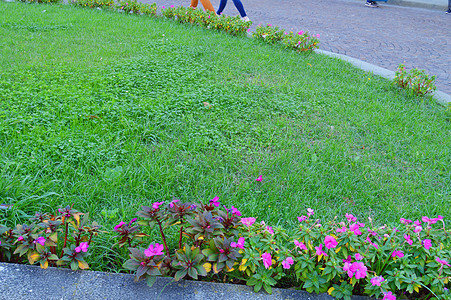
106,111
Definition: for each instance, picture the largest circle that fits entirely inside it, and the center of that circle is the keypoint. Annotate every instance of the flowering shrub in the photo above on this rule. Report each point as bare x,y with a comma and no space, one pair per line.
93,3
55,240
231,25
300,42
41,1
417,81
137,7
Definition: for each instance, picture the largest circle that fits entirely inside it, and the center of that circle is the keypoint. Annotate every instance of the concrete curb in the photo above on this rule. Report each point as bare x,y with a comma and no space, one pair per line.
428,4
31,282
440,96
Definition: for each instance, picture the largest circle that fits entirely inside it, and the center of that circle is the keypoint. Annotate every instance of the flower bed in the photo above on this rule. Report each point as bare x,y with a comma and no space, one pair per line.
341,256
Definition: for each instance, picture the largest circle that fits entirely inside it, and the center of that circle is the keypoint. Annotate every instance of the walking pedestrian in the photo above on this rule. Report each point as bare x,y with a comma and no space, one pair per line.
205,3
371,3
238,6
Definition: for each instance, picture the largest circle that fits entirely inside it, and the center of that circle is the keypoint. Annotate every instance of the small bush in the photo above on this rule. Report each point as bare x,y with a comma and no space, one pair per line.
137,7
41,1
418,82
93,3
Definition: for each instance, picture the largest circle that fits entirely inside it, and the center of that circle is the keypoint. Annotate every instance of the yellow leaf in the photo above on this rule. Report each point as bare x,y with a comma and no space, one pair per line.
322,269
352,249
350,281
54,237
338,250
416,287
201,237
33,257
330,290
229,270
319,257
45,265
215,268
83,265
207,267
446,280
310,245
77,217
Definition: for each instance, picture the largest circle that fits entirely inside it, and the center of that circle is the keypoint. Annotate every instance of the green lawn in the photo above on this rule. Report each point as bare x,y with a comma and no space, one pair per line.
106,111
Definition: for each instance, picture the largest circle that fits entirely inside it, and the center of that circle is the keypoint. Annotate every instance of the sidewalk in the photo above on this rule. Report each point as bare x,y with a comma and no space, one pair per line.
386,36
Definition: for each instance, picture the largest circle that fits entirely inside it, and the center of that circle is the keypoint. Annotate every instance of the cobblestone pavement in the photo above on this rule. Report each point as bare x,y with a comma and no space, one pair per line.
384,36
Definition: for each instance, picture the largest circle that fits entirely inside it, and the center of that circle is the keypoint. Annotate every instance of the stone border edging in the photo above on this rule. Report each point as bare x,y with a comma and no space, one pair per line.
441,97
31,282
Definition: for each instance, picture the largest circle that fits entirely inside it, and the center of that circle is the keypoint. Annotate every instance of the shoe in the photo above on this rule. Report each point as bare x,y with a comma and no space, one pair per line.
245,19
371,4
448,11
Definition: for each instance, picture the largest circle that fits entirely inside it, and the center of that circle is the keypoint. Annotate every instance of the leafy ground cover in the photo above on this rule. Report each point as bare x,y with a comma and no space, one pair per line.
112,111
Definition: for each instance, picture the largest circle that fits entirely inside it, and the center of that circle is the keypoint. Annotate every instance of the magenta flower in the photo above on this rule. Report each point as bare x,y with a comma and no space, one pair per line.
248,221
132,221
397,253
319,250
20,238
260,178
156,205
163,7
240,243
215,201
172,6
269,230
267,260
317,35
269,25
443,262
153,250
359,270
348,259
301,32
235,211
358,256
389,296
427,244
302,219
408,239
287,262
377,280
350,218
417,223
356,228
40,240
300,245
330,242
82,247
310,212
173,202
405,221
347,268
116,228
417,229
342,229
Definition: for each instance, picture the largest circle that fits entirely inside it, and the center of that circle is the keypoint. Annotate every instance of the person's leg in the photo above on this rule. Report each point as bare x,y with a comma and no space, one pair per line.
194,3
240,7
222,5
207,5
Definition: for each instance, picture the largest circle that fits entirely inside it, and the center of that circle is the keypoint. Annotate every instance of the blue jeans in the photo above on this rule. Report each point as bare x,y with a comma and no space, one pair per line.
238,6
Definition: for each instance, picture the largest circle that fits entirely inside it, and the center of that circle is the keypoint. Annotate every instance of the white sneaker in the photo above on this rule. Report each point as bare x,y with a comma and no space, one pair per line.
245,19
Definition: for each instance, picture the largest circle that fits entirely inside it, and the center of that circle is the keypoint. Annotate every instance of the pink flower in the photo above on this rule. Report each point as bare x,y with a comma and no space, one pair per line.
163,7
249,30
132,221
330,242
300,245
356,228
389,296
172,6
82,247
377,280
240,243
40,240
350,218
156,205
215,201
267,260
319,250
260,178
173,202
359,270
358,256
302,219
269,25
287,262
342,229
442,261
310,212
153,250
248,221
235,211
417,223
417,229
348,259
397,253
20,238
269,230
317,35
301,32
116,228
427,244
408,239
347,268
405,221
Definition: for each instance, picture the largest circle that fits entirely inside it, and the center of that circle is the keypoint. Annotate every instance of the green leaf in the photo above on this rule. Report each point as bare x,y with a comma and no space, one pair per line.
131,264
258,286
267,288
74,265
192,272
150,280
180,274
